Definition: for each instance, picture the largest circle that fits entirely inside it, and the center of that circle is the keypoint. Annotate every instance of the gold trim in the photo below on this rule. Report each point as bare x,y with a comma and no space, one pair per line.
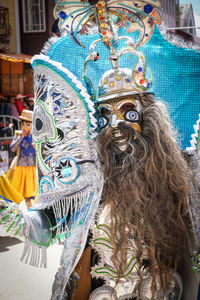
118,92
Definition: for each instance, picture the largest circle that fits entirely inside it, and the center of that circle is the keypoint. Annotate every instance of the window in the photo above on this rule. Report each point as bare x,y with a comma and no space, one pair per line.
34,15
167,6
4,26
163,4
174,8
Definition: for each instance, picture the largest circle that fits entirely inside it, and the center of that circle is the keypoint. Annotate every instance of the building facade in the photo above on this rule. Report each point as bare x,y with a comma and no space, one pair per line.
169,12
178,15
8,32
36,20
25,26
187,18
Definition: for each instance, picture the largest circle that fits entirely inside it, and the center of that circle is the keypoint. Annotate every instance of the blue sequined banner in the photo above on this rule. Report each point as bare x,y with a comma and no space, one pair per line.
176,73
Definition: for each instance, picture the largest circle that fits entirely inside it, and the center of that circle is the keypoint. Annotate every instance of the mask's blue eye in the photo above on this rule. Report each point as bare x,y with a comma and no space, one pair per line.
102,122
131,116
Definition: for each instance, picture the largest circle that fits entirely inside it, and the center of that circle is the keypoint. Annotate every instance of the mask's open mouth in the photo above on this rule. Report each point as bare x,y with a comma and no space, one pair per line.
121,138
69,209
53,196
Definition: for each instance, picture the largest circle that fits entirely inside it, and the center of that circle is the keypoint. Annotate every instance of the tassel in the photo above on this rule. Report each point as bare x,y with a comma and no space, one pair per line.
34,254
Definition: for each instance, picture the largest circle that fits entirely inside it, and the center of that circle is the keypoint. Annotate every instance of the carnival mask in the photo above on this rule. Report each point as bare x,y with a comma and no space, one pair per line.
123,110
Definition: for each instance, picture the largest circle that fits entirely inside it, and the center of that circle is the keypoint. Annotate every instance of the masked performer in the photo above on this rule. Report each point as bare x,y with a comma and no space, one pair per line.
146,227
143,235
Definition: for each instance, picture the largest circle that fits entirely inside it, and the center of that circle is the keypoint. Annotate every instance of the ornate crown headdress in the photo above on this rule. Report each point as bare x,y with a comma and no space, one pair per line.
136,16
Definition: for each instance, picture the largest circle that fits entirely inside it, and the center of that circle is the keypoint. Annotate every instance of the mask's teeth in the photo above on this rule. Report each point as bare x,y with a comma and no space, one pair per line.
117,133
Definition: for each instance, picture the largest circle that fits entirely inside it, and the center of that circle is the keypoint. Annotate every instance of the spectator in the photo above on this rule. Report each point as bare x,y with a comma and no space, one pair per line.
20,104
6,131
4,106
2,99
30,102
14,111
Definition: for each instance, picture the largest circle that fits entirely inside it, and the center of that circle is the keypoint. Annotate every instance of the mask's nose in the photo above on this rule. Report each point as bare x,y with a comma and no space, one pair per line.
113,120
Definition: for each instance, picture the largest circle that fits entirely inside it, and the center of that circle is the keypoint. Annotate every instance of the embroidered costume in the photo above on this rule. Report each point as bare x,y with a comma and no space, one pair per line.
111,179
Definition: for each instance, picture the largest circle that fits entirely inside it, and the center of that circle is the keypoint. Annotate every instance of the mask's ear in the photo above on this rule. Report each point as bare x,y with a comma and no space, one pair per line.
68,176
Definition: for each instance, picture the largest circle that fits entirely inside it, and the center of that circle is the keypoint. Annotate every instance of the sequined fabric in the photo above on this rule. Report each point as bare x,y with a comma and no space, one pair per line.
175,70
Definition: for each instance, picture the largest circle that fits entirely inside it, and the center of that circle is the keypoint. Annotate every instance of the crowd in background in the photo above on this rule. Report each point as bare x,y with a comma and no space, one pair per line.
11,108
14,104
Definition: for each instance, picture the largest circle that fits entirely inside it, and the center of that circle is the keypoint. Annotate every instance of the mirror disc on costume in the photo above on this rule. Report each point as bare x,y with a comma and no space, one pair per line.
67,170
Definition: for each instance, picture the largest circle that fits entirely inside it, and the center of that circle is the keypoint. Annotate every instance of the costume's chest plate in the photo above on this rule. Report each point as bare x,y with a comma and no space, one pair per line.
127,286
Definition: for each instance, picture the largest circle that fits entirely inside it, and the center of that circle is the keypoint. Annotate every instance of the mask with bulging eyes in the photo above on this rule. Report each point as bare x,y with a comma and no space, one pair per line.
114,112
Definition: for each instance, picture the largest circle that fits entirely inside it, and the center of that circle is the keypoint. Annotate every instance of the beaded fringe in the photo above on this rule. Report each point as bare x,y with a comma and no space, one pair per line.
72,208
35,255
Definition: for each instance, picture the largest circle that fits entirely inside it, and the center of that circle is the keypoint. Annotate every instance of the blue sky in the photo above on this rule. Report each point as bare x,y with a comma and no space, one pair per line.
195,5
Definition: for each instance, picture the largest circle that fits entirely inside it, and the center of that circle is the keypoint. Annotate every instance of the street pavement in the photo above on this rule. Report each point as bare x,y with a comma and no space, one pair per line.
19,281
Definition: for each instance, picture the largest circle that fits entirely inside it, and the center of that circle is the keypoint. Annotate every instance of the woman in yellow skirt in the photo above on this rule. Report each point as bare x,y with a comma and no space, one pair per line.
23,177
